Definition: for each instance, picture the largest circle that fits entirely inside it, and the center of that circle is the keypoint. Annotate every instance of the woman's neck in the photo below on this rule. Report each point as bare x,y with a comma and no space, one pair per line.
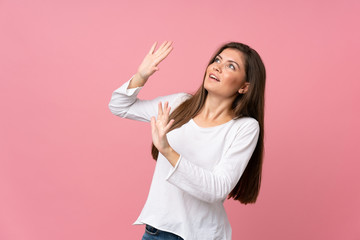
216,110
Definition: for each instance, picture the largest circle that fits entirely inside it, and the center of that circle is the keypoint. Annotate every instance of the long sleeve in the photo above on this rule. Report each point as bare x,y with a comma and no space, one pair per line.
215,185
125,103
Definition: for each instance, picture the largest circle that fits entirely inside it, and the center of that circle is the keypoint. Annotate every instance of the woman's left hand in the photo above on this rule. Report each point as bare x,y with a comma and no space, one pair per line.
160,127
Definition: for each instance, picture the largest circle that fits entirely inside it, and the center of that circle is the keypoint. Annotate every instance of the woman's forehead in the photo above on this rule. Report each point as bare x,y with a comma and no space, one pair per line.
232,54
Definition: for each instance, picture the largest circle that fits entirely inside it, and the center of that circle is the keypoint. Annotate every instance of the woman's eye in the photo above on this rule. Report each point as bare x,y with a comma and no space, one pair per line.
217,60
232,67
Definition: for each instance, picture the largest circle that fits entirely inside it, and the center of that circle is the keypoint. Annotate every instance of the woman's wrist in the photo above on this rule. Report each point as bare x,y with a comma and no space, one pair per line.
137,81
171,155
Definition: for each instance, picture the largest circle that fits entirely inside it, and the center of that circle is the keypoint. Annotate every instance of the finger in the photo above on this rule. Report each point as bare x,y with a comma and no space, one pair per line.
165,53
160,110
153,48
163,56
168,126
167,111
167,108
166,105
161,47
166,46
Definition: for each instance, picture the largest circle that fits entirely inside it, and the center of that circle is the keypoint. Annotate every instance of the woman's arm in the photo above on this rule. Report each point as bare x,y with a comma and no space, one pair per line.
209,186
216,184
124,102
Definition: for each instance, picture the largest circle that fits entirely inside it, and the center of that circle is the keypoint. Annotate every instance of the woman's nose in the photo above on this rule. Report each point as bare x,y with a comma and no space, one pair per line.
217,67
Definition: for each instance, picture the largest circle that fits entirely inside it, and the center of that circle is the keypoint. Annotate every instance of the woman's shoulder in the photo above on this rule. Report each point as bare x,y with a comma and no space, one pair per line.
179,98
249,120
183,96
246,123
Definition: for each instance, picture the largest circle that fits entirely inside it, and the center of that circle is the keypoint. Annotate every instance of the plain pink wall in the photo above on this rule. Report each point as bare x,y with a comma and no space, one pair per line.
69,169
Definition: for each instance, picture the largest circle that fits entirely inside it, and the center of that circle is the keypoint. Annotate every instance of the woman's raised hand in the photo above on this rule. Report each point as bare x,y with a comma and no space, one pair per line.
152,59
149,64
160,127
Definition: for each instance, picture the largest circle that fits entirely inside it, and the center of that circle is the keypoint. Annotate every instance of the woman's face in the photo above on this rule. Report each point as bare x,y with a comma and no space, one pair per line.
226,75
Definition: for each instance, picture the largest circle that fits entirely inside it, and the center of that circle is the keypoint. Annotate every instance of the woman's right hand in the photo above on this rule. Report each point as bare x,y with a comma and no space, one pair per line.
149,65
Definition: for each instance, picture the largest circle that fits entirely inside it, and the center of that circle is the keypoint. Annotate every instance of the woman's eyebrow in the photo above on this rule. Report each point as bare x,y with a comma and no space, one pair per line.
230,61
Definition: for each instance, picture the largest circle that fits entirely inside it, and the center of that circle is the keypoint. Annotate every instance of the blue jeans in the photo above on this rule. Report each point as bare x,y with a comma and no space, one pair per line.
152,233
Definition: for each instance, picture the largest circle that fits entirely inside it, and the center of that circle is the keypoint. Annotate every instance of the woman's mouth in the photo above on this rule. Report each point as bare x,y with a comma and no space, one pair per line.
214,77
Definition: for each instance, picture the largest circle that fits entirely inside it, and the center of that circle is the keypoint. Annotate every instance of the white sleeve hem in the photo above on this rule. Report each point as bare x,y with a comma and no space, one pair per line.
128,92
173,169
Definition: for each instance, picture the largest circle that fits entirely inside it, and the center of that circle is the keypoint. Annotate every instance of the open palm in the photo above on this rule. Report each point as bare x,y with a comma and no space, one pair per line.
152,59
160,127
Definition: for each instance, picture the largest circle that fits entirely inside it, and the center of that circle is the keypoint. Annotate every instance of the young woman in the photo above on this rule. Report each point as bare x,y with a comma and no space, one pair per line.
208,146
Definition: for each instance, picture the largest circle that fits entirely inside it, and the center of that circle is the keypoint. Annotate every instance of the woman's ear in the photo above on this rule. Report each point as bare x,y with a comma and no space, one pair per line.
244,88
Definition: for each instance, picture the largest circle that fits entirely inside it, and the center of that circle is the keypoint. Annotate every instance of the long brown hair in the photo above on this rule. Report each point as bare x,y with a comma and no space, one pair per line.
250,104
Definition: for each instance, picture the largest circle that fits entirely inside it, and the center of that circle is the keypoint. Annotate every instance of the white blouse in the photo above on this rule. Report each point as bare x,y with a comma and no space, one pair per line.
187,199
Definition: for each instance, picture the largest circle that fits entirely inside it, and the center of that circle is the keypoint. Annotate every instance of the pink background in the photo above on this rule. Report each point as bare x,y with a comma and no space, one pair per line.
69,169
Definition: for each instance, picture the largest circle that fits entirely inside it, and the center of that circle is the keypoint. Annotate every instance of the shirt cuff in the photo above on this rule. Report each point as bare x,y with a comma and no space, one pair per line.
174,168
128,92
